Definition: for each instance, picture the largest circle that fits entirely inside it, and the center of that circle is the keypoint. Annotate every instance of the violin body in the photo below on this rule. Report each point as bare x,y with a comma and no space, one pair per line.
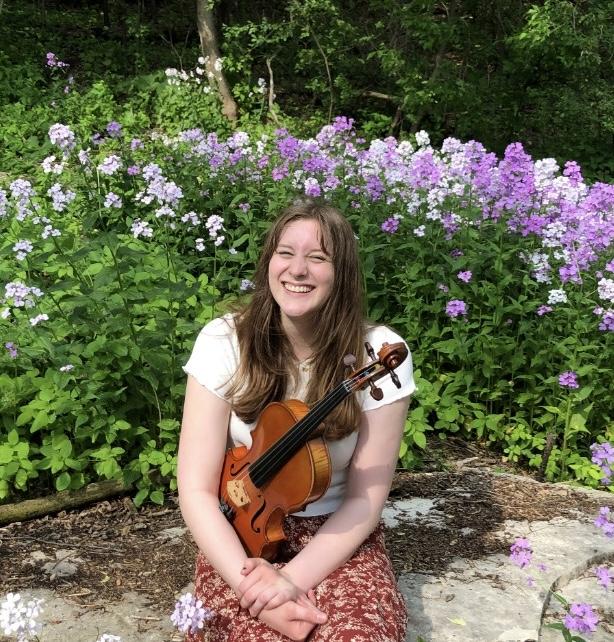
286,469
257,512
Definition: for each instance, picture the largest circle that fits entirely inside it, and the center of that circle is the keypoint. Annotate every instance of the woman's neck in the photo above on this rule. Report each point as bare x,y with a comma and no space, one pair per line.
300,334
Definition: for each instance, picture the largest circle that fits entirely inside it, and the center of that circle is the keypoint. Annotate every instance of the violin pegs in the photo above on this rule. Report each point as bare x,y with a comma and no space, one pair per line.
395,379
349,360
376,392
370,350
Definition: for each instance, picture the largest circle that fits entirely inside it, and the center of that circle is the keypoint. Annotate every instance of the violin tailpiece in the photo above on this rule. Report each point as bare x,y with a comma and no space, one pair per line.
237,493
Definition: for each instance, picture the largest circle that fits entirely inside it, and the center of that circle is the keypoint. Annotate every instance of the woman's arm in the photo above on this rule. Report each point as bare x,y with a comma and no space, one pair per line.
369,480
202,447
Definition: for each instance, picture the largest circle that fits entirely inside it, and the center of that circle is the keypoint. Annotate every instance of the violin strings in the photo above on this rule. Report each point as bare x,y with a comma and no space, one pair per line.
290,442
277,451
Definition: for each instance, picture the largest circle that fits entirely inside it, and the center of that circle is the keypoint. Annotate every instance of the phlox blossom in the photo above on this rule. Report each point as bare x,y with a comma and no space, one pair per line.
190,614
38,318
605,289
110,165
521,552
19,618
604,576
12,348
581,618
141,228
568,379
112,200
603,521
67,368
465,276
544,309
456,308
246,284
390,225
556,296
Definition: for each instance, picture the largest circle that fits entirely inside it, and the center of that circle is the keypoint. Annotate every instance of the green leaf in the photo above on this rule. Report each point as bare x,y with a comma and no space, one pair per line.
13,438
6,454
420,439
63,481
157,497
141,496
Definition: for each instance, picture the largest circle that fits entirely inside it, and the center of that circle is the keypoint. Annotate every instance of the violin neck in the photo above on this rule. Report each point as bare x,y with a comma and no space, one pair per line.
271,461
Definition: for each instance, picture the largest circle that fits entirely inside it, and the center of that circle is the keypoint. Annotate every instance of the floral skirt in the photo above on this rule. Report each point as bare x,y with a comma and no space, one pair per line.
361,597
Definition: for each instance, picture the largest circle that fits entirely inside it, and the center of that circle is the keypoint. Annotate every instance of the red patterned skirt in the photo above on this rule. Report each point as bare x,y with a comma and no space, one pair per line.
361,597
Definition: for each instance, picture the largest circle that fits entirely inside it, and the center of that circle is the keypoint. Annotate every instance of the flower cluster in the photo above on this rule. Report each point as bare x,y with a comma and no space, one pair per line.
521,552
603,456
190,614
19,295
62,136
19,618
568,379
215,225
54,62
581,618
456,308
604,521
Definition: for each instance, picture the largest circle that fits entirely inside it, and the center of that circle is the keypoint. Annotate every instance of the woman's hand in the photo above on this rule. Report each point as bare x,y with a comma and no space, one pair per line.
265,587
295,620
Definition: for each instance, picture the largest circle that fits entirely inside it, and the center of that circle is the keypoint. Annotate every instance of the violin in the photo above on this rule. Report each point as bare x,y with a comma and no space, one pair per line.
285,470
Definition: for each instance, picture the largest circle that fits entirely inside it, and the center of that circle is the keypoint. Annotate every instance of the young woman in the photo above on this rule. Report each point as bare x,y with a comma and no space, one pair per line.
333,579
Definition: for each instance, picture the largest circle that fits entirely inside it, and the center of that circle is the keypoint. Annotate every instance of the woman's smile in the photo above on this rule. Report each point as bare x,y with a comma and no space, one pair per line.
301,272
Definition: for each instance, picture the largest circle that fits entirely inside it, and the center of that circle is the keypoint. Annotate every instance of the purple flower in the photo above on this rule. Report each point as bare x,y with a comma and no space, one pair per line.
141,228
607,321
112,200
603,521
544,309
12,348
133,170
61,136
581,618
604,576
521,552
135,144
110,165
190,614
465,276
312,188
54,61
455,308
610,266
568,379
246,284
456,253
114,129
603,456
390,225
444,288
244,207
279,173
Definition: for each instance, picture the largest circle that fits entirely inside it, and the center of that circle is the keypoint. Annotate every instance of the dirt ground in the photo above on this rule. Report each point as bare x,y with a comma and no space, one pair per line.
118,548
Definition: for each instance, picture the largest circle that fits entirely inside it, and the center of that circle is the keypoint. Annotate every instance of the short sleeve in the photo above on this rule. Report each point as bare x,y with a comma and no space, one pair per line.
215,356
376,336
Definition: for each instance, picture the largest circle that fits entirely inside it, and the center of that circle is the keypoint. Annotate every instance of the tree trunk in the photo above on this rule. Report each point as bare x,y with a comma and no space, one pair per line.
31,508
211,52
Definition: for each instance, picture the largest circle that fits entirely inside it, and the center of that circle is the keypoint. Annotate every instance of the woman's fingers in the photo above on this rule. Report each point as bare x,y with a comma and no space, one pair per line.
308,611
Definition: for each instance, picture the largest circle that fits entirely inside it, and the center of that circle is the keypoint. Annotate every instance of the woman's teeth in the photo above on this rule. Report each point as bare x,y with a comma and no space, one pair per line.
298,288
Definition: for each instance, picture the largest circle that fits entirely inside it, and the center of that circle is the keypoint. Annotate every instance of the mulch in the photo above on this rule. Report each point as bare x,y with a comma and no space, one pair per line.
119,548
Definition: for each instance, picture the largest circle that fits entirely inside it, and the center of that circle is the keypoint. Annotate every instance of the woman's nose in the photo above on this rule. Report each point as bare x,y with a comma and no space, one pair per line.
298,265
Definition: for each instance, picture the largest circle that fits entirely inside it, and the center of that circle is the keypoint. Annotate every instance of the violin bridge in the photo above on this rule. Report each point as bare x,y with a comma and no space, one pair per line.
237,493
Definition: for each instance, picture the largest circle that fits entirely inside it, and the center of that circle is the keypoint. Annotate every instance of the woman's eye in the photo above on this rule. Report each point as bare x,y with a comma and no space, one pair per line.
284,253
318,258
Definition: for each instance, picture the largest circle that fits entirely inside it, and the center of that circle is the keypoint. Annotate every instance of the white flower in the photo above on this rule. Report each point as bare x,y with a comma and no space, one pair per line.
605,289
556,296
217,65
422,139
420,230
67,368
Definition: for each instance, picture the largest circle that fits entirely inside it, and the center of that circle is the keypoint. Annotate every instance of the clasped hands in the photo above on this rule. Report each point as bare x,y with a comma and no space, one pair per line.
268,593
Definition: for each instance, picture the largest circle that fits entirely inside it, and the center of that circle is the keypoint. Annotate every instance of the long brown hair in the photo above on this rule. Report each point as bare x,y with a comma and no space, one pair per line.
266,357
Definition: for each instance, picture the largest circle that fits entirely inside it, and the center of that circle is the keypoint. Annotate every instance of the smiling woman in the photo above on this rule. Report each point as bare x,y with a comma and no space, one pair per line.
332,578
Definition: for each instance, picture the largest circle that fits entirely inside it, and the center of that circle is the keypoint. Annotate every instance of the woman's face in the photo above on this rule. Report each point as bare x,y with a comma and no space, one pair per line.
301,274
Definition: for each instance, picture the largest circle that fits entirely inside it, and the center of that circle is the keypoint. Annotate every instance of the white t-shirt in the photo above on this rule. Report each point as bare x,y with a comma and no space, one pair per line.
215,359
